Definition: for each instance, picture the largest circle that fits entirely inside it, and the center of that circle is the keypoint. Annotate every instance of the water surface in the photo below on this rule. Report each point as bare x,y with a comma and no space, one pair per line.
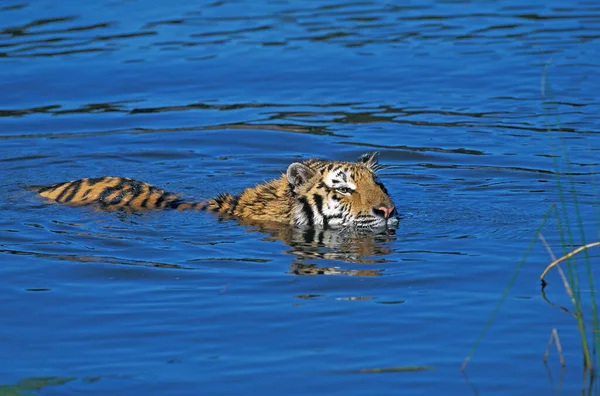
214,97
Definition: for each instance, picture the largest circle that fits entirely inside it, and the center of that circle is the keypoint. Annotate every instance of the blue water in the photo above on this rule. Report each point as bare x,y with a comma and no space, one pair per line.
212,97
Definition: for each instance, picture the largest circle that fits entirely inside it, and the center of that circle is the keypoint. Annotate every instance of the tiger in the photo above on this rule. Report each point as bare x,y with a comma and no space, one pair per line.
312,193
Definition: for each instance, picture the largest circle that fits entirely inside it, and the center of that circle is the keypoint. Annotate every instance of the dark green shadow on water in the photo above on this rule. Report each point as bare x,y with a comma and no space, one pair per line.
30,386
382,370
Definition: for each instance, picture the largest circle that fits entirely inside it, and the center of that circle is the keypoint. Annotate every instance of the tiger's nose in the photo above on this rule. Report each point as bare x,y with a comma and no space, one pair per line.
384,211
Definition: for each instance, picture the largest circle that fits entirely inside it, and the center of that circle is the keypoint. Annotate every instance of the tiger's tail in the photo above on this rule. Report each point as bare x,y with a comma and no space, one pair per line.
184,205
115,193
34,188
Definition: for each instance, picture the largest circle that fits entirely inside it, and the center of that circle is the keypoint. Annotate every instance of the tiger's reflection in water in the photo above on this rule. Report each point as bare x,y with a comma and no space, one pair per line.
353,246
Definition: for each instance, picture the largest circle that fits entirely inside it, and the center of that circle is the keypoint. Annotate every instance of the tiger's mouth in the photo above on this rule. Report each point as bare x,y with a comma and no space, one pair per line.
375,222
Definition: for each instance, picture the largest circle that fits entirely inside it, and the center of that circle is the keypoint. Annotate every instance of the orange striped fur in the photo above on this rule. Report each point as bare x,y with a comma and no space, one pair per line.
314,192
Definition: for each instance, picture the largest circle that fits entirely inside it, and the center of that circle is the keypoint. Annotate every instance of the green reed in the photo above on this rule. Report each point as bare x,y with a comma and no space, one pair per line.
566,227
568,224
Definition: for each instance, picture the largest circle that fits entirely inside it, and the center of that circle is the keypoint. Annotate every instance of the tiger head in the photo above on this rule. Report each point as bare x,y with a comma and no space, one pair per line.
340,194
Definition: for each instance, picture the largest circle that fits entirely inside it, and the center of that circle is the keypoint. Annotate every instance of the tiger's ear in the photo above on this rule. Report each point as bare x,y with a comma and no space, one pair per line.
370,159
298,174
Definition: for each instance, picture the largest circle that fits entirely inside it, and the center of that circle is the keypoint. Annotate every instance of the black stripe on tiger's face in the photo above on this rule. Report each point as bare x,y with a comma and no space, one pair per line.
341,194
306,215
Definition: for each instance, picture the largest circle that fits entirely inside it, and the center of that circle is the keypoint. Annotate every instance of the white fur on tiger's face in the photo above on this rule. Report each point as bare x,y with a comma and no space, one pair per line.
340,194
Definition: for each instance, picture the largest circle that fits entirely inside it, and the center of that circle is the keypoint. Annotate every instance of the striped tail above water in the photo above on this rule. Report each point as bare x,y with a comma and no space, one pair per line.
116,193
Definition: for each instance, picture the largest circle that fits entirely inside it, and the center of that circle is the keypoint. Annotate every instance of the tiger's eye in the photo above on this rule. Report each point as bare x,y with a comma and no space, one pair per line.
344,190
